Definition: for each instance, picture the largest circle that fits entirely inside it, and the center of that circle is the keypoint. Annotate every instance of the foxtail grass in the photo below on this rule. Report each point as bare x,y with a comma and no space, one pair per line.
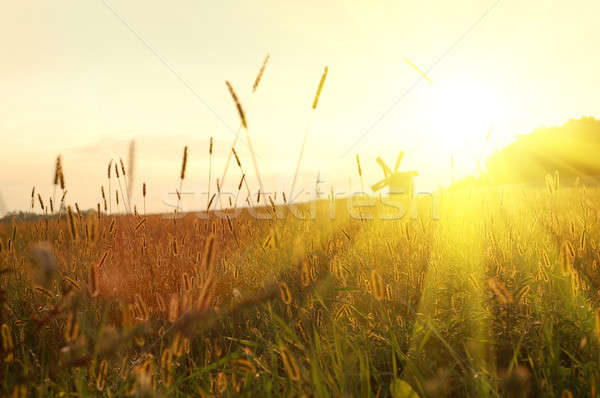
184,161
244,124
314,108
360,174
210,164
144,196
237,135
108,175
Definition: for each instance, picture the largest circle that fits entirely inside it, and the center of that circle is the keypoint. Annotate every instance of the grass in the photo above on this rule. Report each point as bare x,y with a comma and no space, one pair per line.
497,298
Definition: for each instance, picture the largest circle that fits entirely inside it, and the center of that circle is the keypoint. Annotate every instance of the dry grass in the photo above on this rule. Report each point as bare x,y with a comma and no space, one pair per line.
498,297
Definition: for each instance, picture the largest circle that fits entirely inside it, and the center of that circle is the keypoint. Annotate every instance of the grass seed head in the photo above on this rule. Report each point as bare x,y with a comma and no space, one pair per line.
238,105
237,159
320,88
72,227
109,168
284,291
260,74
184,162
7,342
377,286
289,363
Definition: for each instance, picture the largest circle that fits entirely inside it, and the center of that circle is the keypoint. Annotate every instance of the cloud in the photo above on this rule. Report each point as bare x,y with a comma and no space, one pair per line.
150,147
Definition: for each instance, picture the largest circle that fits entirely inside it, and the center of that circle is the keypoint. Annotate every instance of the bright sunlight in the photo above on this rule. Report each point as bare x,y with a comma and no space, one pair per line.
465,111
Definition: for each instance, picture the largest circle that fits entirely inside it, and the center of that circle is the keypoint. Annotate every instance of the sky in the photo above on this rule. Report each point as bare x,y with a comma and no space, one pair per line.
84,78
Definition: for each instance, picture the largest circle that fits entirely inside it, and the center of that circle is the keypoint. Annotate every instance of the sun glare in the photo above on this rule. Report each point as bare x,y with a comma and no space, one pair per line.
465,110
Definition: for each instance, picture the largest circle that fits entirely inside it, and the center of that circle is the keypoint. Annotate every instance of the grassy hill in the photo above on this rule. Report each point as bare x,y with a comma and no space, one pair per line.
572,149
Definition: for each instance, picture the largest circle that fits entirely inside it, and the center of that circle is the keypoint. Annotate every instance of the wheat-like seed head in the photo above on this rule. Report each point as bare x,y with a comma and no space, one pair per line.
184,162
57,170
71,328
141,307
103,198
567,257
260,74
101,375
305,273
102,259
166,367
597,324
160,302
286,295
93,281
237,104
72,229
59,177
109,168
377,285
211,200
43,292
501,292
320,88
237,159
208,257
139,224
62,199
302,331
173,309
290,364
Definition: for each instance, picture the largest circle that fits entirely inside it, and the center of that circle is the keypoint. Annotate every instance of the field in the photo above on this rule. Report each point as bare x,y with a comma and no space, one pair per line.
496,298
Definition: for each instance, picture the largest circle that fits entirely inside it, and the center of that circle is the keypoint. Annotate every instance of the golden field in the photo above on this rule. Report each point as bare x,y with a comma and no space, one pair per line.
498,297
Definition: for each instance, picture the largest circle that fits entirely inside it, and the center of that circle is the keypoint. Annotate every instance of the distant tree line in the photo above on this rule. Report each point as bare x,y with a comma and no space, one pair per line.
572,149
30,216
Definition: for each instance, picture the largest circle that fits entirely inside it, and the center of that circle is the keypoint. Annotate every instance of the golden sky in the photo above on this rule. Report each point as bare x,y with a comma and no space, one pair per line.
77,81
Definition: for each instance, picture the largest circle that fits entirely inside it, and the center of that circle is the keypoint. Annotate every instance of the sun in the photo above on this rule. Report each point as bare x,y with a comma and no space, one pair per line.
465,110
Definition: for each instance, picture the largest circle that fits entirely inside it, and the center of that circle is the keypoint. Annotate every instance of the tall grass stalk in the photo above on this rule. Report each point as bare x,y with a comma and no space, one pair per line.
237,135
303,146
210,166
108,174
